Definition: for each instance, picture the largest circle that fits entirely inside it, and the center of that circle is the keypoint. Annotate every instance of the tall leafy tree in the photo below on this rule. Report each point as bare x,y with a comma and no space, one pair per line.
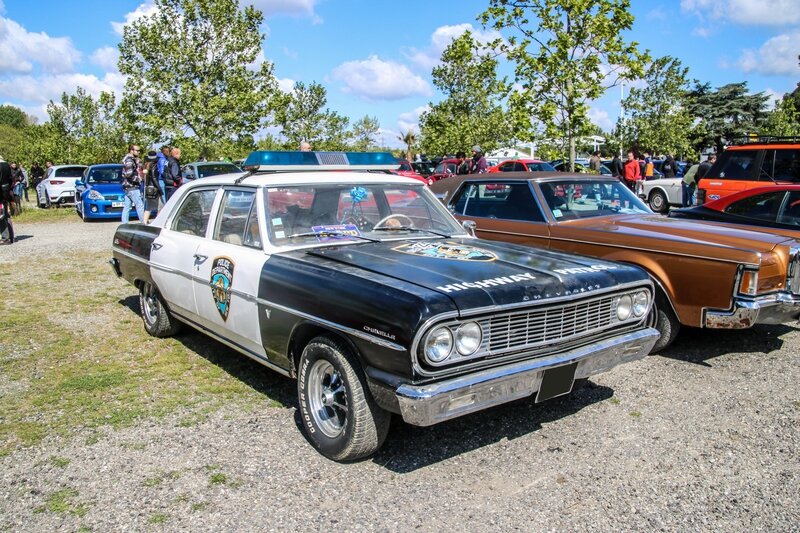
566,53
364,131
472,109
15,117
409,138
658,119
193,70
725,114
784,120
302,115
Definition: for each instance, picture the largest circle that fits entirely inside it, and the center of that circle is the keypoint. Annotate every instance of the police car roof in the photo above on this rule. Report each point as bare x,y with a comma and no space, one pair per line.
275,161
290,179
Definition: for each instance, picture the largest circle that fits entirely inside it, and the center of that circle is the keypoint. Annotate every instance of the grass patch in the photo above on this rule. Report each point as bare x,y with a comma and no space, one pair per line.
85,361
62,502
199,506
614,400
635,414
32,214
59,462
158,518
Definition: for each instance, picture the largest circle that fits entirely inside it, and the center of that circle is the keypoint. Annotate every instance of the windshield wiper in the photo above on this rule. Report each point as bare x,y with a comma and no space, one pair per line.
409,228
332,234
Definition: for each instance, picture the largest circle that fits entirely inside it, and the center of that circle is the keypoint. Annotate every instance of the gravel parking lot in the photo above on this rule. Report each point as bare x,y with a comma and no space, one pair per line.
702,437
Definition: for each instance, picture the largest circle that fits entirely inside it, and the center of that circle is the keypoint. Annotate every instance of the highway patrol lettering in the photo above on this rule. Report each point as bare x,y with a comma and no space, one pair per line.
584,270
491,282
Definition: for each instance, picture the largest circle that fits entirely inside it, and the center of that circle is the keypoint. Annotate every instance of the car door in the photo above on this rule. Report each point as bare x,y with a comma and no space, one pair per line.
502,210
228,270
173,257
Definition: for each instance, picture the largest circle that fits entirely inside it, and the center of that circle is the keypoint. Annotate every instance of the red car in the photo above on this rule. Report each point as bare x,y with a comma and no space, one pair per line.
522,165
445,168
408,171
772,206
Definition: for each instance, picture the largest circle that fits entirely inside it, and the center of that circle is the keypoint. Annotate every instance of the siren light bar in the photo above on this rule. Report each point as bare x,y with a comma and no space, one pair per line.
275,161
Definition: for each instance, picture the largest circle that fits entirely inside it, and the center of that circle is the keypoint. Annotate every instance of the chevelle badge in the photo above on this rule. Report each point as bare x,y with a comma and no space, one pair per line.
221,280
447,250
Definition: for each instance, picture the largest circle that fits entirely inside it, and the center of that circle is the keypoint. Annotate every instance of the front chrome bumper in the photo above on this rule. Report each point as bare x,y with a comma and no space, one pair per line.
425,405
773,309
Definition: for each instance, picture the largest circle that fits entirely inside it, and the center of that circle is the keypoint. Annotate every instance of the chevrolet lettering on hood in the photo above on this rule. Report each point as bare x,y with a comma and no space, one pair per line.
367,291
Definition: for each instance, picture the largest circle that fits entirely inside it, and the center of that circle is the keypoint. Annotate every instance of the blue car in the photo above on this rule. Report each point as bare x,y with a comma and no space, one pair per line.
99,194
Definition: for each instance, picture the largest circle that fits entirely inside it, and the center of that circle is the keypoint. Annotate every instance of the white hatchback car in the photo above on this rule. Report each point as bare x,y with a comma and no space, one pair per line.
58,185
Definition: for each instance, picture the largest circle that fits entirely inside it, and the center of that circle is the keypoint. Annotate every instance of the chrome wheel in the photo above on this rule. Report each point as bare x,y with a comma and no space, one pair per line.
658,202
327,397
150,305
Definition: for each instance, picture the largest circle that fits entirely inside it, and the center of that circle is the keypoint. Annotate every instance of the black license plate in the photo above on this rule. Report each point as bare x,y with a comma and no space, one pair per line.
556,382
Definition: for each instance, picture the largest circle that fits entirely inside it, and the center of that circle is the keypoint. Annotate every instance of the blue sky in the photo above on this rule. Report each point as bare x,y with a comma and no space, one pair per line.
375,57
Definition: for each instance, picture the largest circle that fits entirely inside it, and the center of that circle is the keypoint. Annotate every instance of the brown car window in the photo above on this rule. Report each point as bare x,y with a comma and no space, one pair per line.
504,201
761,206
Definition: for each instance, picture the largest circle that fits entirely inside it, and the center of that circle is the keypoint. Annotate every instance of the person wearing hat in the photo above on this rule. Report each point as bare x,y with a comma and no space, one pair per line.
478,164
152,190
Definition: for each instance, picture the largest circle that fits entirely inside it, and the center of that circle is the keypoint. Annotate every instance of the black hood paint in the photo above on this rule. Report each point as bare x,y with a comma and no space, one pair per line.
512,274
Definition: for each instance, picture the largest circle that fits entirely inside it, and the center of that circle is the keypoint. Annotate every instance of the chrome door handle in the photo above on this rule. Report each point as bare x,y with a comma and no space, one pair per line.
200,258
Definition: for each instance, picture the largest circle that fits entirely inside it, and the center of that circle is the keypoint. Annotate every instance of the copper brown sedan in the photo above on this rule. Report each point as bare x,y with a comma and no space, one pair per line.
706,275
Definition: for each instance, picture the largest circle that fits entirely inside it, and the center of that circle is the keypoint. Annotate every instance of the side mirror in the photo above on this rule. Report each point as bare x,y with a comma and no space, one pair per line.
470,226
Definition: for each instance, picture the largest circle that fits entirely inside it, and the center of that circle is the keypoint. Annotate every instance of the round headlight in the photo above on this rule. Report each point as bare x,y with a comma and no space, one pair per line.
468,338
640,302
624,305
438,344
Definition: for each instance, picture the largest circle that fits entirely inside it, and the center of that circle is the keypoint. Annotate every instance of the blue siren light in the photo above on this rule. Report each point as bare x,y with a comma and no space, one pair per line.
285,161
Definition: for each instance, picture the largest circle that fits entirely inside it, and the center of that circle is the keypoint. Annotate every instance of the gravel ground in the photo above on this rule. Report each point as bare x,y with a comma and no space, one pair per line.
703,437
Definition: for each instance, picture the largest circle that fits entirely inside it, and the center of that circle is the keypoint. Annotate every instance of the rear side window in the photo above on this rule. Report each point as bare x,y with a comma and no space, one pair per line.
192,217
781,165
504,201
761,206
736,165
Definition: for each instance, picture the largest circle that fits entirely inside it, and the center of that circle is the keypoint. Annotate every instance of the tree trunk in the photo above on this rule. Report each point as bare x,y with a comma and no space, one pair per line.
571,152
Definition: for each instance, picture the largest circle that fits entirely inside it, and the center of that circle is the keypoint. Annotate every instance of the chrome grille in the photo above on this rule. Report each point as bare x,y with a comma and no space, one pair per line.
530,328
793,274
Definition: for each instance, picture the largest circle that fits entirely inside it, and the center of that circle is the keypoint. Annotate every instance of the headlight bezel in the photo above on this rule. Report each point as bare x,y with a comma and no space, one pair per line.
95,195
427,346
476,335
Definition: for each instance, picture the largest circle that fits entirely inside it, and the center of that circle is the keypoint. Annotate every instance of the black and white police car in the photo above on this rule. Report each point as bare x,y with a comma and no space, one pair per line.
364,288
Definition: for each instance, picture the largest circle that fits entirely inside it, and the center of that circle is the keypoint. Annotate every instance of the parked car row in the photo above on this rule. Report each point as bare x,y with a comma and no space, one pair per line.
378,298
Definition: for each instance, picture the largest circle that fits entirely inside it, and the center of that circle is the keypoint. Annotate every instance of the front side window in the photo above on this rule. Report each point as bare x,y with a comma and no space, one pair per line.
194,212
735,165
501,200
237,222
577,199
330,213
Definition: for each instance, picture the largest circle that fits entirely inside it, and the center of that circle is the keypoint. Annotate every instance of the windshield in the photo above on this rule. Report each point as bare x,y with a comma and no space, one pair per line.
312,214
105,175
214,169
576,199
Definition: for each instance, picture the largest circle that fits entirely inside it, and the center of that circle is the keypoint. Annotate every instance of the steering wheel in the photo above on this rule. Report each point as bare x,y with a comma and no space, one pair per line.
397,220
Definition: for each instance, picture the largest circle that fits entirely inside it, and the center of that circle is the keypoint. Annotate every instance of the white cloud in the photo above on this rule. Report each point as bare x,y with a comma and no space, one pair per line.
143,10
376,79
701,31
2,8
410,120
106,58
657,14
600,117
441,38
389,138
776,56
773,98
745,12
286,84
20,49
287,7
42,89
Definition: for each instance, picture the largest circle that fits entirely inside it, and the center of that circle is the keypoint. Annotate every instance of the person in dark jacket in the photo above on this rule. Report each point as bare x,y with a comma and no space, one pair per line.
668,168
616,167
6,198
151,184
172,176
704,167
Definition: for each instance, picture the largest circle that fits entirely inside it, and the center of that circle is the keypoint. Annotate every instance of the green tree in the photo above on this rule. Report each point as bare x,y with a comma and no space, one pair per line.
658,119
302,115
784,120
471,112
192,71
15,117
724,114
408,138
364,131
566,53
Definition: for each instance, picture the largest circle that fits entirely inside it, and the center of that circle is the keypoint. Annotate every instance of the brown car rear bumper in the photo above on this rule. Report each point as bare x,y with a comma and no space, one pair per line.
775,309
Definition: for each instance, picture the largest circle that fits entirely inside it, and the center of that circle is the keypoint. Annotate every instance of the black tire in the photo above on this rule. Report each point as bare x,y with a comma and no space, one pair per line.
659,202
339,415
157,319
664,320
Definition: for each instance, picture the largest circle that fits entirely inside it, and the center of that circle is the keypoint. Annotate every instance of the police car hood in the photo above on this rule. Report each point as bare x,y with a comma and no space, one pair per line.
477,273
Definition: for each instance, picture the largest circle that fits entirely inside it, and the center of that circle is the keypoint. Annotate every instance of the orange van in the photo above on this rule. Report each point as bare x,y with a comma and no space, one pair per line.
757,163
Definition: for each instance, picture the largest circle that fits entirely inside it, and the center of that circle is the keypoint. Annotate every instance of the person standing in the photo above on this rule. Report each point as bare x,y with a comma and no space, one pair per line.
6,198
172,177
616,167
648,171
704,167
152,190
131,183
36,174
305,146
163,155
462,166
478,164
594,162
668,168
688,185
632,173
17,185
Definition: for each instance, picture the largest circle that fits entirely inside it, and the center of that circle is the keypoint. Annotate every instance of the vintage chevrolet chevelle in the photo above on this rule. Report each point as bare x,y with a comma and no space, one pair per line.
364,288
706,275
